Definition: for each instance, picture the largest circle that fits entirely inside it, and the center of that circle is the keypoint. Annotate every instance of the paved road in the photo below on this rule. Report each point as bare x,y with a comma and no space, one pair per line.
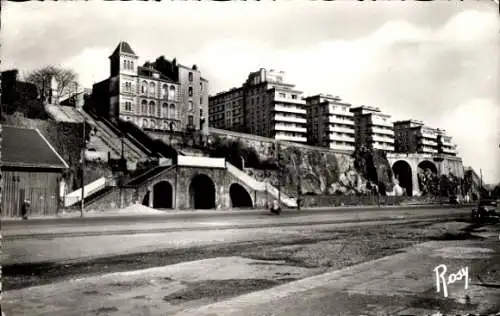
30,242
125,225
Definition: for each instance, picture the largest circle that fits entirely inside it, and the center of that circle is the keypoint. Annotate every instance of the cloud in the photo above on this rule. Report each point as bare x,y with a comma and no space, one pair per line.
475,125
433,62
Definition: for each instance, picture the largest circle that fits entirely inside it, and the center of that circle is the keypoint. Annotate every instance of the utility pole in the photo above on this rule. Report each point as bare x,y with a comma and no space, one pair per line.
279,171
481,183
84,143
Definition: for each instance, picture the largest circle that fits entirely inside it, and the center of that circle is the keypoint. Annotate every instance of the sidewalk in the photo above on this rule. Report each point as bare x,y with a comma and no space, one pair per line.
403,284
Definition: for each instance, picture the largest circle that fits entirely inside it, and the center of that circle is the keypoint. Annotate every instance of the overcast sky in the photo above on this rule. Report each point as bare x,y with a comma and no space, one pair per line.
433,61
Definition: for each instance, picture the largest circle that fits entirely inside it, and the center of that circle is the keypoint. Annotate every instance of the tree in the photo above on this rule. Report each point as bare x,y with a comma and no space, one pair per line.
64,77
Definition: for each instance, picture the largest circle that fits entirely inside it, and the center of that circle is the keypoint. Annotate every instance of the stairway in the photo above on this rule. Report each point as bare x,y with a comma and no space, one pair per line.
110,136
88,190
260,186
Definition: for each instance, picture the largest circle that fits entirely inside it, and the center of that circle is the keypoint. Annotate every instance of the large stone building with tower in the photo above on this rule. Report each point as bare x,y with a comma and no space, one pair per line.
159,95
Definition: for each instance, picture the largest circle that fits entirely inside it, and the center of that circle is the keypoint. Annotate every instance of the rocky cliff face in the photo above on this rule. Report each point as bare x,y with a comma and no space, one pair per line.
313,171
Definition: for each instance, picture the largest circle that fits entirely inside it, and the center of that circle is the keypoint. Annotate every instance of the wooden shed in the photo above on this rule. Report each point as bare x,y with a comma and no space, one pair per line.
31,169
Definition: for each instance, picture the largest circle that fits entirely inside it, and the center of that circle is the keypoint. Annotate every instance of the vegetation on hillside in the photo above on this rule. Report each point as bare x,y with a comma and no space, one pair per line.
374,167
235,152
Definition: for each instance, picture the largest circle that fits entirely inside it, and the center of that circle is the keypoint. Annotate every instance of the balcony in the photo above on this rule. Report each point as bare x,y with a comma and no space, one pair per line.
339,120
277,98
341,138
377,121
341,129
383,131
290,128
382,139
333,145
428,142
292,119
339,112
299,139
289,109
385,147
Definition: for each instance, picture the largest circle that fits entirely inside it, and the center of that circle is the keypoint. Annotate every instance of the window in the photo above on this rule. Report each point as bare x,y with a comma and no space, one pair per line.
190,91
171,93
132,65
124,64
201,100
144,87
201,113
128,106
152,108
190,120
190,76
164,91
165,110
144,107
173,113
144,123
152,88
201,86
190,105
282,95
294,96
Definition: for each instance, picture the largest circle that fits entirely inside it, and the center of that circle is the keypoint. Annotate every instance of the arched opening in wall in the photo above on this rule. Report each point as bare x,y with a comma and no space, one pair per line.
202,192
145,200
240,198
162,195
427,177
402,172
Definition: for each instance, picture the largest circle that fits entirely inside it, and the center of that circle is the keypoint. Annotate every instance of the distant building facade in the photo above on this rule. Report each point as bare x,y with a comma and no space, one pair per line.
373,129
265,106
160,95
330,123
412,136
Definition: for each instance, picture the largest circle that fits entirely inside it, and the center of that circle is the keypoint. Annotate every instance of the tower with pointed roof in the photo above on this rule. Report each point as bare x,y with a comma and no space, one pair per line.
160,95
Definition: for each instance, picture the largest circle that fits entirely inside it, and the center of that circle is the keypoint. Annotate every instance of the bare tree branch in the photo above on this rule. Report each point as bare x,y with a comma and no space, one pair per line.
42,78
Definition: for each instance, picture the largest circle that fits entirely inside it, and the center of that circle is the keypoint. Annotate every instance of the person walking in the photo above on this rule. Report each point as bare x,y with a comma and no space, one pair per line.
25,209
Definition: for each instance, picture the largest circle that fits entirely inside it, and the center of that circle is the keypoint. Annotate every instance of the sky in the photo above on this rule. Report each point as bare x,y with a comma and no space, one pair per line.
433,61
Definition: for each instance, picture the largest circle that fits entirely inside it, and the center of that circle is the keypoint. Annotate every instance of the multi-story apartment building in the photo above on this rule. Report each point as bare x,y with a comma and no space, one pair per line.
445,143
373,129
412,136
226,110
330,122
265,105
162,95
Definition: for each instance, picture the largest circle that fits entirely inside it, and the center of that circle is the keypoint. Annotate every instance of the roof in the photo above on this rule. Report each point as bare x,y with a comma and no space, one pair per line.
25,147
124,47
145,72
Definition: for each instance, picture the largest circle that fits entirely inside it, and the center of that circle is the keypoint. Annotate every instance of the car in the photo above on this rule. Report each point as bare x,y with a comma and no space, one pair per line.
486,211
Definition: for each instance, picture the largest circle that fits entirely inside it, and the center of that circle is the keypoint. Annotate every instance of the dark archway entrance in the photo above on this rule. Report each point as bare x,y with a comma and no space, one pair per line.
428,165
402,172
145,201
202,192
427,177
239,196
162,195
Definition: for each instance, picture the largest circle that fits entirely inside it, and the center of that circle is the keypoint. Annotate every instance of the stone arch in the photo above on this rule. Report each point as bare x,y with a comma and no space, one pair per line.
239,196
426,164
202,192
163,195
403,173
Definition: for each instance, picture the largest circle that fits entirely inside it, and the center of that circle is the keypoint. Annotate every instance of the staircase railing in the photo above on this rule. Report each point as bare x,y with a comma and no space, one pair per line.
89,189
260,186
